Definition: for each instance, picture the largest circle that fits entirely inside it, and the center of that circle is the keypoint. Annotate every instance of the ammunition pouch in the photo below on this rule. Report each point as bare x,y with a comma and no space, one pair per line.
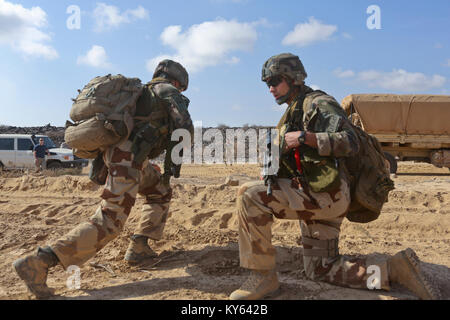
144,140
321,173
99,171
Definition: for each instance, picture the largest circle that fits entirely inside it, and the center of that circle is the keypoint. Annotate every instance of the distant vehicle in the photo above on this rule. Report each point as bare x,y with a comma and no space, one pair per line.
64,145
16,152
409,127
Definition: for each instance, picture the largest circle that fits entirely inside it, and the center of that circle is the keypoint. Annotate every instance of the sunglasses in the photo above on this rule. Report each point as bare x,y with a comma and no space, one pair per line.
274,81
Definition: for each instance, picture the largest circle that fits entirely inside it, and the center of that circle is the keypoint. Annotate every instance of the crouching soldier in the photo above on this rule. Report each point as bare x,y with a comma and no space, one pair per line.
160,109
315,130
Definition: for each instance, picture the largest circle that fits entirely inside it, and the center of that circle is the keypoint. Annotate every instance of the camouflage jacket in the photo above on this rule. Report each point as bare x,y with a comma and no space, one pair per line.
317,112
160,110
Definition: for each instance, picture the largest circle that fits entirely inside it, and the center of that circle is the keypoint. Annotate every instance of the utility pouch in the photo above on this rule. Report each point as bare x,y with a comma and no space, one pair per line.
143,142
99,171
321,172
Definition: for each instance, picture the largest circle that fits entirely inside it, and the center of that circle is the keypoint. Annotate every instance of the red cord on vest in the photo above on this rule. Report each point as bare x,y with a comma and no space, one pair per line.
297,160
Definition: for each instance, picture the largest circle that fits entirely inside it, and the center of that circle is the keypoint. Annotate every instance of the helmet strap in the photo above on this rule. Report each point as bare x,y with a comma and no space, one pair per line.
286,97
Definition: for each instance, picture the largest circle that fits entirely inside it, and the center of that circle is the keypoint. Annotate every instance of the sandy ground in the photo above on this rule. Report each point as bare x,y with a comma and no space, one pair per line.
199,251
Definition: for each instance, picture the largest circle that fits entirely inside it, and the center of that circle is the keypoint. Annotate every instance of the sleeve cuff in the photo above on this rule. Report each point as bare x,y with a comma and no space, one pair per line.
323,143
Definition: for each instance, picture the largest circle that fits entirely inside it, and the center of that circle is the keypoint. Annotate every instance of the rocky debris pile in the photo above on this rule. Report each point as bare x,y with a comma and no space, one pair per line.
55,133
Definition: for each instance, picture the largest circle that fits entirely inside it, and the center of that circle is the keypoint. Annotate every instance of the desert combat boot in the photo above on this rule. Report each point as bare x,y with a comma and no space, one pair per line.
138,251
258,285
404,268
33,270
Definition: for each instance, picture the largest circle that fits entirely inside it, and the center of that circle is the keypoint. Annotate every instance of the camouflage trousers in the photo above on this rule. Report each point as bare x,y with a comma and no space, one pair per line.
125,180
320,216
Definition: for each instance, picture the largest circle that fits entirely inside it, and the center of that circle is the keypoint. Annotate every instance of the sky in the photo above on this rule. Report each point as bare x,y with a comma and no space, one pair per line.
49,49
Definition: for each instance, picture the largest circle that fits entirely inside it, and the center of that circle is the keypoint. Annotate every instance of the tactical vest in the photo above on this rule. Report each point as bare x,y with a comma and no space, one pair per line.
370,181
152,124
320,173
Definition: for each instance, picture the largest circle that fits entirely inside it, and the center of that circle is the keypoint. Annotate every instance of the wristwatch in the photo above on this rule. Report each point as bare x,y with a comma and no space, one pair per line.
302,137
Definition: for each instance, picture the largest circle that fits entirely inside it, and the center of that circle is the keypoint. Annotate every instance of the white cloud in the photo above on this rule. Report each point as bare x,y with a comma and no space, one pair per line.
96,57
308,33
397,79
233,60
347,36
401,80
314,87
343,73
20,28
109,17
207,44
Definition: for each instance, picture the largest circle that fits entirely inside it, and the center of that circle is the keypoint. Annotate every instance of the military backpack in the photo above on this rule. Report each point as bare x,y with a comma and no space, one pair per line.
103,114
370,177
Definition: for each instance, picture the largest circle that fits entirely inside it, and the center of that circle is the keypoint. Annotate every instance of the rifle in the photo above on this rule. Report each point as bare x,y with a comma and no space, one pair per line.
269,179
170,169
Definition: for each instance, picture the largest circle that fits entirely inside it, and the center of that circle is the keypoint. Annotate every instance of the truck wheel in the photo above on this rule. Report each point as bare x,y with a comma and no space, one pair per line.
54,165
392,162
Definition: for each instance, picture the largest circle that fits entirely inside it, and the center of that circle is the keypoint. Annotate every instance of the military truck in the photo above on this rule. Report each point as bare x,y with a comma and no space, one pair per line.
409,127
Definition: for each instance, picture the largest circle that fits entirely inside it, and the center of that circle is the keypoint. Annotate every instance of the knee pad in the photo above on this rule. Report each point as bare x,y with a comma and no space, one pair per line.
321,248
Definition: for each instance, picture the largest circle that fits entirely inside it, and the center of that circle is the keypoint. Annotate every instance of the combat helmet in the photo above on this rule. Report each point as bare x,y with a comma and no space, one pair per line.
174,70
285,64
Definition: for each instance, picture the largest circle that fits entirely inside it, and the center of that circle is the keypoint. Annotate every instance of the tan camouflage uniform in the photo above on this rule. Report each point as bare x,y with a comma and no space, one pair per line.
125,180
320,214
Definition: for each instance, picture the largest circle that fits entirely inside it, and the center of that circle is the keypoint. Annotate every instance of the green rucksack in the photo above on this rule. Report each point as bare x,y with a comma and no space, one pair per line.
103,114
369,175
370,179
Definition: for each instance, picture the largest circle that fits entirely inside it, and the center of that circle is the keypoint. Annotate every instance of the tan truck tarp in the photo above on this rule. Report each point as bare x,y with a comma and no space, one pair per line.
401,114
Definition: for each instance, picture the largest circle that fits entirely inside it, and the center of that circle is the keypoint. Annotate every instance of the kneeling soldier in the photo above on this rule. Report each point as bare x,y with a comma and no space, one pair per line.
313,127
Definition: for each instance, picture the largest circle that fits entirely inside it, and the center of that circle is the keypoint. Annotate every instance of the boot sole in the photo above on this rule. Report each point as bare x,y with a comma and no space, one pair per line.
135,262
414,266
272,293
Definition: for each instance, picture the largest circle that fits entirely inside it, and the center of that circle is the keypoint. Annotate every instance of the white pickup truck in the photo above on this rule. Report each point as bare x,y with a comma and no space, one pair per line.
16,152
